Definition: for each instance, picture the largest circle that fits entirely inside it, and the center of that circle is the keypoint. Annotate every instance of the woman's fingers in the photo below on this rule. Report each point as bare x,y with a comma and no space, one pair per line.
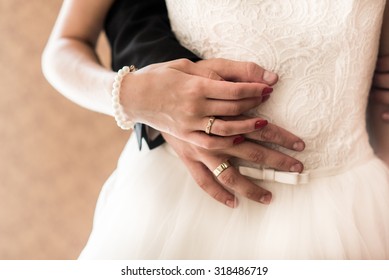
225,69
189,67
226,90
265,132
233,108
213,142
213,86
224,127
236,130
182,96
239,71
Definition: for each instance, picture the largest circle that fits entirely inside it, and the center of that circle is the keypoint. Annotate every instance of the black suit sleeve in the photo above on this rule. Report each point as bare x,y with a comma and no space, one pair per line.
139,34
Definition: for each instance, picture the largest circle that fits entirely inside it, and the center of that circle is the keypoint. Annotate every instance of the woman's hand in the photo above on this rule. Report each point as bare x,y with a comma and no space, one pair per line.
209,94
201,162
179,97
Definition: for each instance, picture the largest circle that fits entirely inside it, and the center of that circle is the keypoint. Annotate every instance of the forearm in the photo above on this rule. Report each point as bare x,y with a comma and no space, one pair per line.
73,68
70,62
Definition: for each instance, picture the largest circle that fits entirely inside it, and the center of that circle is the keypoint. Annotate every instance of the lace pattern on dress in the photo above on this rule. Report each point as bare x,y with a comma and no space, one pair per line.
324,52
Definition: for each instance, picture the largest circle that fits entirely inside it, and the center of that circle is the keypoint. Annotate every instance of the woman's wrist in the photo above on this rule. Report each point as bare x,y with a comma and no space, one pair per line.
122,119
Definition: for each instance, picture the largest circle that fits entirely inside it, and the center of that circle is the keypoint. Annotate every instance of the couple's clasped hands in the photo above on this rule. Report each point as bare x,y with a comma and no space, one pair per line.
180,98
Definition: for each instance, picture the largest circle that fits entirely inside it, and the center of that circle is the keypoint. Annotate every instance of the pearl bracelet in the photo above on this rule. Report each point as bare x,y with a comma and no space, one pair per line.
120,116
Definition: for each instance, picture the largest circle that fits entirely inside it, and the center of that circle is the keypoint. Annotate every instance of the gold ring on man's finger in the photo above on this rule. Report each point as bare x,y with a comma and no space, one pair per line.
220,169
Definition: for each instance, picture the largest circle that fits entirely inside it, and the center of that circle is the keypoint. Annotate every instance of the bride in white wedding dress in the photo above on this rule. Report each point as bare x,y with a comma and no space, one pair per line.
324,53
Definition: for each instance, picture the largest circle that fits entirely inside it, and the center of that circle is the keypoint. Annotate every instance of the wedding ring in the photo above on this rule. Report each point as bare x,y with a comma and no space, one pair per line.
209,125
223,166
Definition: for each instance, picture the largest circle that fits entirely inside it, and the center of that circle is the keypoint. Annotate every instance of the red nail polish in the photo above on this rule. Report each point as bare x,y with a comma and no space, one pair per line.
267,91
238,140
261,123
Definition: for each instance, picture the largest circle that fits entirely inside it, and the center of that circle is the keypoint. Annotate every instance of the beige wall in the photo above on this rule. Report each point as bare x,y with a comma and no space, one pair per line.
54,155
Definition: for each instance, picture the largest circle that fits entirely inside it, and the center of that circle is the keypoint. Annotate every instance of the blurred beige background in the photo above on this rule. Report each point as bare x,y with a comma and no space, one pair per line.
54,155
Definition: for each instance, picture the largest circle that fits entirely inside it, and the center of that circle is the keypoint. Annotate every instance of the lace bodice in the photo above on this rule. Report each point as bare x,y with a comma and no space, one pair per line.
324,52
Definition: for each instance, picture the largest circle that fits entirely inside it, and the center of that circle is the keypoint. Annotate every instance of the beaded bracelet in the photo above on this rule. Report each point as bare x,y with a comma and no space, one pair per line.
120,116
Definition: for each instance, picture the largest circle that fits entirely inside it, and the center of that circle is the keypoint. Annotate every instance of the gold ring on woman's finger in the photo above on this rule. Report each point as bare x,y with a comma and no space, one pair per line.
223,166
209,125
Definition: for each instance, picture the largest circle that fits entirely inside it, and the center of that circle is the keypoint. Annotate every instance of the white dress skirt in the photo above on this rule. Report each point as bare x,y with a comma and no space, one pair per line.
324,52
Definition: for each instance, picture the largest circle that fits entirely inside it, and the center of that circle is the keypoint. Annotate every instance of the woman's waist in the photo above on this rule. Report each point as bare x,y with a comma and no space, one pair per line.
316,165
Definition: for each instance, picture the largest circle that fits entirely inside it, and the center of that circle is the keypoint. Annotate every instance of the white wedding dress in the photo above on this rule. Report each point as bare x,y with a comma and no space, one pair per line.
324,52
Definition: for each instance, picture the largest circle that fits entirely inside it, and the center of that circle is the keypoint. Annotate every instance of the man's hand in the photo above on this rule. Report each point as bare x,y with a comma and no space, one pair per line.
380,90
200,163
379,109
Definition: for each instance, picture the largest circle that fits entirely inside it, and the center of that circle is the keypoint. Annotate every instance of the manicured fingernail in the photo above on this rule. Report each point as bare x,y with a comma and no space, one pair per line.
265,199
269,77
261,123
296,168
298,146
238,140
230,203
267,91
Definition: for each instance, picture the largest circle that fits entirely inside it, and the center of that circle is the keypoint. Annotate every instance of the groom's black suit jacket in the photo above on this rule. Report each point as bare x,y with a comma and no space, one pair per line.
139,33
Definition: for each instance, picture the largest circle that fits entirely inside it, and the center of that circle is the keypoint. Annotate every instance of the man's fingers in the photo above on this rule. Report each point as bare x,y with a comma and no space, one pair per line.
276,135
233,180
259,154
225,69
381,96
205,179
200,173
382,64
381,80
